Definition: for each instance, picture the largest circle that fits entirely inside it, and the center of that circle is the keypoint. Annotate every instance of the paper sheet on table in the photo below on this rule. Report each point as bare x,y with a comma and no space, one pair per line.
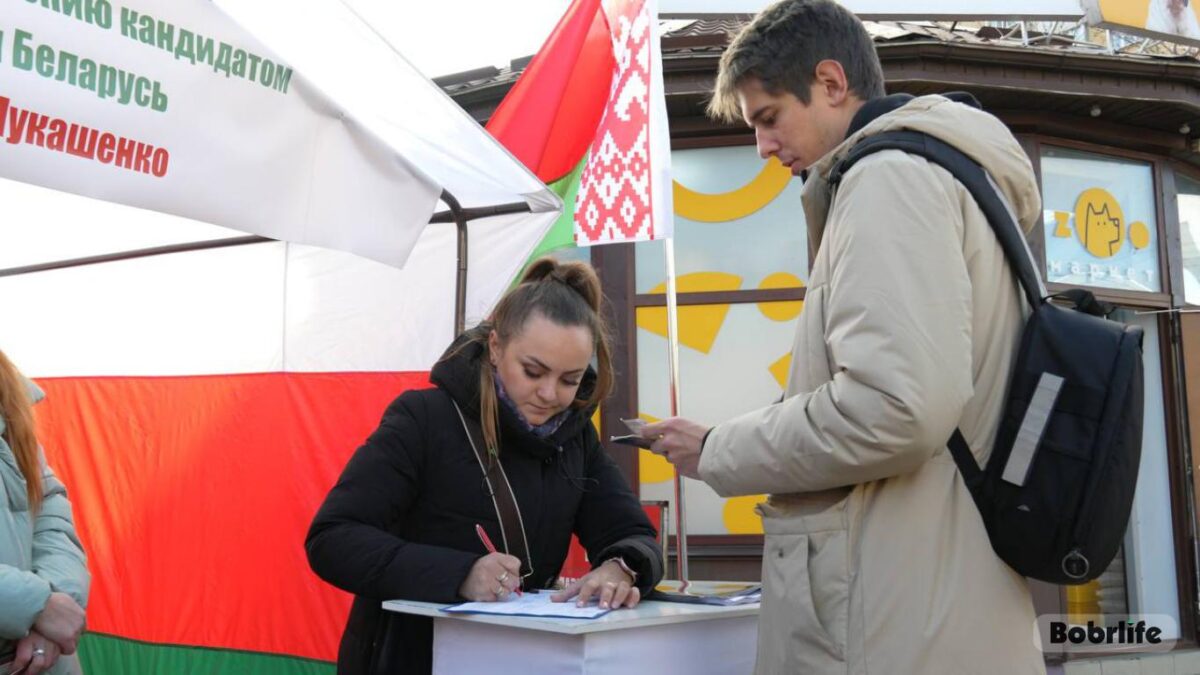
531,604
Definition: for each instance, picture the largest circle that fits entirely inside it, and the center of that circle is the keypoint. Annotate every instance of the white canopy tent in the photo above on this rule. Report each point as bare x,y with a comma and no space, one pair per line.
379,143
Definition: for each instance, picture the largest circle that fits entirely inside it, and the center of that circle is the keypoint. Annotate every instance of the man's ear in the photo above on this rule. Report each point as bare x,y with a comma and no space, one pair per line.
829,78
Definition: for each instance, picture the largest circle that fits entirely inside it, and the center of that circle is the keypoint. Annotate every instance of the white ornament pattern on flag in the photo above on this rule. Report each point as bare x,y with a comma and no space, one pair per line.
614,201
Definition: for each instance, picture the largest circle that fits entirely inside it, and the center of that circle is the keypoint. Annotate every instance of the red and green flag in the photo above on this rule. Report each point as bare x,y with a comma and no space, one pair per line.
588,116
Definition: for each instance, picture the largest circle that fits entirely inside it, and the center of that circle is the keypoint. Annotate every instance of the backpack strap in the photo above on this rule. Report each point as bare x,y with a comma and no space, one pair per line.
972,176
999,215
512,527
1085,302
965,459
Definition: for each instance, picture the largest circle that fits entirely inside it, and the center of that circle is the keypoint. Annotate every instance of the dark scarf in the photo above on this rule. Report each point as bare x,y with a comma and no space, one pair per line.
542,430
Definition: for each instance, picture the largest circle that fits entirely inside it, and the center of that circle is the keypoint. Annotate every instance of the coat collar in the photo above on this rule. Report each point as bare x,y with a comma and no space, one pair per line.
874,116
457,373
874,108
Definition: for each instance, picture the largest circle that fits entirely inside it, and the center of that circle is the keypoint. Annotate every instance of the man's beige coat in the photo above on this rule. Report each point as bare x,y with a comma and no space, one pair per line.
876,560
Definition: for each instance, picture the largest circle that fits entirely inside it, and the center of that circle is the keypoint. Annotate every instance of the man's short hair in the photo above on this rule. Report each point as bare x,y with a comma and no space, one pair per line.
782,47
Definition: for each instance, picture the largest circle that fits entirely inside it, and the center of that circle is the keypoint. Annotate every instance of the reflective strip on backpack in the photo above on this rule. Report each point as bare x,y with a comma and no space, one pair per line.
1032,427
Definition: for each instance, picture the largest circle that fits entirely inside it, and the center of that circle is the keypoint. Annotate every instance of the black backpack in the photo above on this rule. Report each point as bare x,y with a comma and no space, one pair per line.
1056,492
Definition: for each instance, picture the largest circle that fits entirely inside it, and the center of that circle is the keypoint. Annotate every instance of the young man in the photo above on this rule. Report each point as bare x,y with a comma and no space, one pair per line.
876,559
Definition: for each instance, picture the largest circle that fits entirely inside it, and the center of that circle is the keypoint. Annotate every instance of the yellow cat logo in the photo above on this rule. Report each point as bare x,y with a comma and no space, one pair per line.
1099,222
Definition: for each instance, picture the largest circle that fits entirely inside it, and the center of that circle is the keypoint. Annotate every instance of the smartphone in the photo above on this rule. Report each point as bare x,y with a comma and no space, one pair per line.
633,439
634,424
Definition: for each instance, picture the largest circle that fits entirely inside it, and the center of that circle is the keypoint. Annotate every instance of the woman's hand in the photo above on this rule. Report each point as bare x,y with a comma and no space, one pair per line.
608,582
35,654
62,621
492,578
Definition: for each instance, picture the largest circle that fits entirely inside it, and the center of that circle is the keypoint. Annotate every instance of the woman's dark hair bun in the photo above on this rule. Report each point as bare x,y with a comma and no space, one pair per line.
577,276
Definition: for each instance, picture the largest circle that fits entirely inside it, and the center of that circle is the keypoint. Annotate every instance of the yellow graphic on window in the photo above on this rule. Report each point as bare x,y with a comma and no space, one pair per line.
1139,235
781,311
698,324
1098,218
1099,222
1061,218
740,517
780,370
699,327
725,206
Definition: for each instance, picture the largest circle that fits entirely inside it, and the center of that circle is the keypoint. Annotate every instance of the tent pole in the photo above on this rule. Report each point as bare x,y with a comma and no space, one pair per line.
460,280
477,212
133,254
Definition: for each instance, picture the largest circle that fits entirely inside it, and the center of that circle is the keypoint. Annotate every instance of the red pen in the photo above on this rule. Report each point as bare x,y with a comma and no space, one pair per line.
487,543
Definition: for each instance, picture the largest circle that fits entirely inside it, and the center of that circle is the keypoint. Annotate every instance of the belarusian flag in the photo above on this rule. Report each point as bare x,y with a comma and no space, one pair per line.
199,407
589,117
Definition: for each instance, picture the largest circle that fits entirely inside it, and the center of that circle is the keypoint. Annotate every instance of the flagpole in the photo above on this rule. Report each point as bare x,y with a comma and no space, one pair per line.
681,558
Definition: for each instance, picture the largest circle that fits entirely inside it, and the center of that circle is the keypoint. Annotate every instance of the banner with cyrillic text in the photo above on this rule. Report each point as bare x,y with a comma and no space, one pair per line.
171,106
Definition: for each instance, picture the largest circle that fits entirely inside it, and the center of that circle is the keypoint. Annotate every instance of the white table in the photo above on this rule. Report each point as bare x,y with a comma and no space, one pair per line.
656,637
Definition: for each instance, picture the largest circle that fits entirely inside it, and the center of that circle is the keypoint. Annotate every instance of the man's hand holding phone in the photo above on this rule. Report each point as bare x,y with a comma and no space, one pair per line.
680,441
635,437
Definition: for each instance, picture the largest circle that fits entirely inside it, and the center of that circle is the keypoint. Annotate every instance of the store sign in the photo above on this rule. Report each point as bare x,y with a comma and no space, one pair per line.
1045,10
1173,20
1096,246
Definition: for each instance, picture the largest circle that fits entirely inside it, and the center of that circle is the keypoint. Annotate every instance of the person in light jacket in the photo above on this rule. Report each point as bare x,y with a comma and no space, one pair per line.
43,570
876,559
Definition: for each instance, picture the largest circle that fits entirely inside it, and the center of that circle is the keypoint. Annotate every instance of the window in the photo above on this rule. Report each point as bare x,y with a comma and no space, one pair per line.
1142,578
754,223
1100,222
1189,235
741,264
733,358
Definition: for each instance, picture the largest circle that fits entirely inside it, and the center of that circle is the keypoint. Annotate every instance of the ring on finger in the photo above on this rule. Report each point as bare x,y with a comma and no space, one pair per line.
499,591
502,577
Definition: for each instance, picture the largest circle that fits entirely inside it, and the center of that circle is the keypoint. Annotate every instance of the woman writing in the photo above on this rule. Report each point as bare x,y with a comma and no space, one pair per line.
400,522
43,570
